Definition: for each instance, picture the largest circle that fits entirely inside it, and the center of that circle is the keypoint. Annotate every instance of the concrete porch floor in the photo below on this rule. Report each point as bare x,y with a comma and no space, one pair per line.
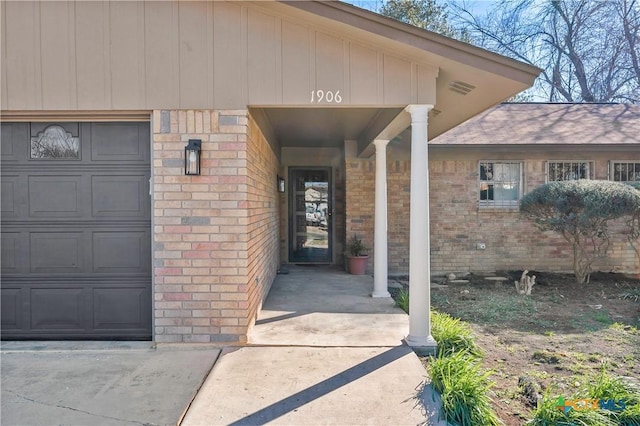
322,352
324,306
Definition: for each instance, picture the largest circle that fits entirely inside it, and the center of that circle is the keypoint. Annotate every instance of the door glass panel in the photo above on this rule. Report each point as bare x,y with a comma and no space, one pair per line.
310,220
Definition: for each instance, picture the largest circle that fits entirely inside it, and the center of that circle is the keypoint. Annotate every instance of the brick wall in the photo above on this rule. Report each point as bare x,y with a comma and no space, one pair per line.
457,223
359,203
263,220
202,224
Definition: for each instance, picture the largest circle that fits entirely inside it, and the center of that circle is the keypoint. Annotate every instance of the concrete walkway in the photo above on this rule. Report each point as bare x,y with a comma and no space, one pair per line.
323,352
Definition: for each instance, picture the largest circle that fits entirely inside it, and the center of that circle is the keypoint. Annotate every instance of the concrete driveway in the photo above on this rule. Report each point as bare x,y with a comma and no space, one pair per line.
100,383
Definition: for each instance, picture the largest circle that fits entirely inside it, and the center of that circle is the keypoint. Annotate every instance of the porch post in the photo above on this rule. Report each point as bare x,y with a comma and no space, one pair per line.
419,251
380,259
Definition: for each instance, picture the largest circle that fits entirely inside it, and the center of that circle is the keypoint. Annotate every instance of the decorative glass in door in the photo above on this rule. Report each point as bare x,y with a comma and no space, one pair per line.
310,215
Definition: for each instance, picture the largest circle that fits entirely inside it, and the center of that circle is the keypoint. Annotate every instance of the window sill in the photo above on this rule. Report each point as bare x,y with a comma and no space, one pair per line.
489,209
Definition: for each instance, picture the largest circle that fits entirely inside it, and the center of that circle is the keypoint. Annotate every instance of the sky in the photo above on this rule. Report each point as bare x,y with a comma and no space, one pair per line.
477,6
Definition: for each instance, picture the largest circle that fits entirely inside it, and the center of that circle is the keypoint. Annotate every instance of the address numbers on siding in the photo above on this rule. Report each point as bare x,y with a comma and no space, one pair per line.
326,96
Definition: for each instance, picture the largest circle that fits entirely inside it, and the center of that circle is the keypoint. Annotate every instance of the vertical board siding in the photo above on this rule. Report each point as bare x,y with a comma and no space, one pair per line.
261,70
329,63
55,54
3,57
296,63
22,41
161,47
193,58
90,82
191,54
124,57
363,75
396,70
227,55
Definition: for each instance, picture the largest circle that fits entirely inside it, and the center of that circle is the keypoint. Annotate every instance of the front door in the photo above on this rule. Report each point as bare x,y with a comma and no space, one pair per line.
310,215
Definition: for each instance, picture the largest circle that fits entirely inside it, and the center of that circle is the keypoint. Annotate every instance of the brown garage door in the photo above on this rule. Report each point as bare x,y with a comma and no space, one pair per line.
76,231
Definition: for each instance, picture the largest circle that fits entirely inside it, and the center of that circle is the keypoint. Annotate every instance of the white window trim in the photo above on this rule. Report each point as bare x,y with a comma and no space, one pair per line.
501,205
612,164
590,168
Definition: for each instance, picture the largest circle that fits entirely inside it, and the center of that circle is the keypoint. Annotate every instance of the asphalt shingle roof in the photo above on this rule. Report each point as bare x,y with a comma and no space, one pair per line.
532,123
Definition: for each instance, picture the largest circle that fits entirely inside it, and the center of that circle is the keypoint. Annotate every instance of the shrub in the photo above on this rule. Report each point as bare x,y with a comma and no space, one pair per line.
452,335
580,211
355,247
464,389
402,300
602,387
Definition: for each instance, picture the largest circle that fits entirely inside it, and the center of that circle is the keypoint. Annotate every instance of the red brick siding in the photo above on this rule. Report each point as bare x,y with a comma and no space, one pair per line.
359,191
204,259
263,218
457,223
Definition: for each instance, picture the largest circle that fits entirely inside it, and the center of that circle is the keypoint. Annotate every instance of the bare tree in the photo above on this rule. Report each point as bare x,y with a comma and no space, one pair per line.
588,49
426,14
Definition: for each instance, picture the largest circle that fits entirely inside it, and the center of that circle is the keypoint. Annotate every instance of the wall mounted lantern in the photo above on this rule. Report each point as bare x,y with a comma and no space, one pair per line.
192,157
280,184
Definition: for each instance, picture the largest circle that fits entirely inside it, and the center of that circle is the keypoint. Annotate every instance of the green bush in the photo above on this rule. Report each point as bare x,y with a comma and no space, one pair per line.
452,335
464,389
402,300
455,372
601,387
580,211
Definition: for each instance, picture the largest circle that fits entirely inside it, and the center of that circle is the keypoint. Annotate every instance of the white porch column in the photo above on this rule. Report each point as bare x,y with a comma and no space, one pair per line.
380,259
419,250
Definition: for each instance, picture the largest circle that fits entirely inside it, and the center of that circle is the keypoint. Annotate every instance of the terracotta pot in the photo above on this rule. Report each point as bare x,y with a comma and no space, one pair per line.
357,265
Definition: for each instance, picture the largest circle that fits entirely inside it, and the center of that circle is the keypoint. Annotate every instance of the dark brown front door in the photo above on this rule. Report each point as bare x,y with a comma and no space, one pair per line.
76,223
310,215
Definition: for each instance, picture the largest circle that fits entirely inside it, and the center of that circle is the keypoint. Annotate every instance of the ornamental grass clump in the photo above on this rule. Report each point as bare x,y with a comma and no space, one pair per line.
452,335
613,402
402,300
455,372
464,389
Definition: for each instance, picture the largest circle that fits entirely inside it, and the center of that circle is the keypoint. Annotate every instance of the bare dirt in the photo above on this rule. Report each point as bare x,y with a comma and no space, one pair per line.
554,339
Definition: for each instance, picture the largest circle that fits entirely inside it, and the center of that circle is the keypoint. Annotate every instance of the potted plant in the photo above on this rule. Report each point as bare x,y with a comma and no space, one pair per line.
357,256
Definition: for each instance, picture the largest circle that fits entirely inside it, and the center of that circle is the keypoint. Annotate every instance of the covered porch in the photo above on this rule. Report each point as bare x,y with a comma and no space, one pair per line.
324,306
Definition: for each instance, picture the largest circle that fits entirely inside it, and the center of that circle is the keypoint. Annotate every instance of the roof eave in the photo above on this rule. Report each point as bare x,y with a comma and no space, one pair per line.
428,41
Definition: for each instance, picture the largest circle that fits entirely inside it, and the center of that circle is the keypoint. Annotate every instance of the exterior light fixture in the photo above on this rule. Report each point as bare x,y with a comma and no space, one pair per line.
192,157
280,184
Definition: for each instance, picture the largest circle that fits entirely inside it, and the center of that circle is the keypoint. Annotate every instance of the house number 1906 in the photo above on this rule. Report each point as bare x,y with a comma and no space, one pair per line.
328,96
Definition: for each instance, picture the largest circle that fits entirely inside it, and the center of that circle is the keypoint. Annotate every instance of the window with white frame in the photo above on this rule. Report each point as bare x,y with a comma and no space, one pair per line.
624,171
500,183
568,170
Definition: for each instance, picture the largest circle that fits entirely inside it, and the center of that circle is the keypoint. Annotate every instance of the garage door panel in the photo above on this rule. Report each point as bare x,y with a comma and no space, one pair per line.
53,196
8,189
11,308
118,308
10,136
119,142
76,232
57,308
13,196
10,250
120,196
56,252
118,252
